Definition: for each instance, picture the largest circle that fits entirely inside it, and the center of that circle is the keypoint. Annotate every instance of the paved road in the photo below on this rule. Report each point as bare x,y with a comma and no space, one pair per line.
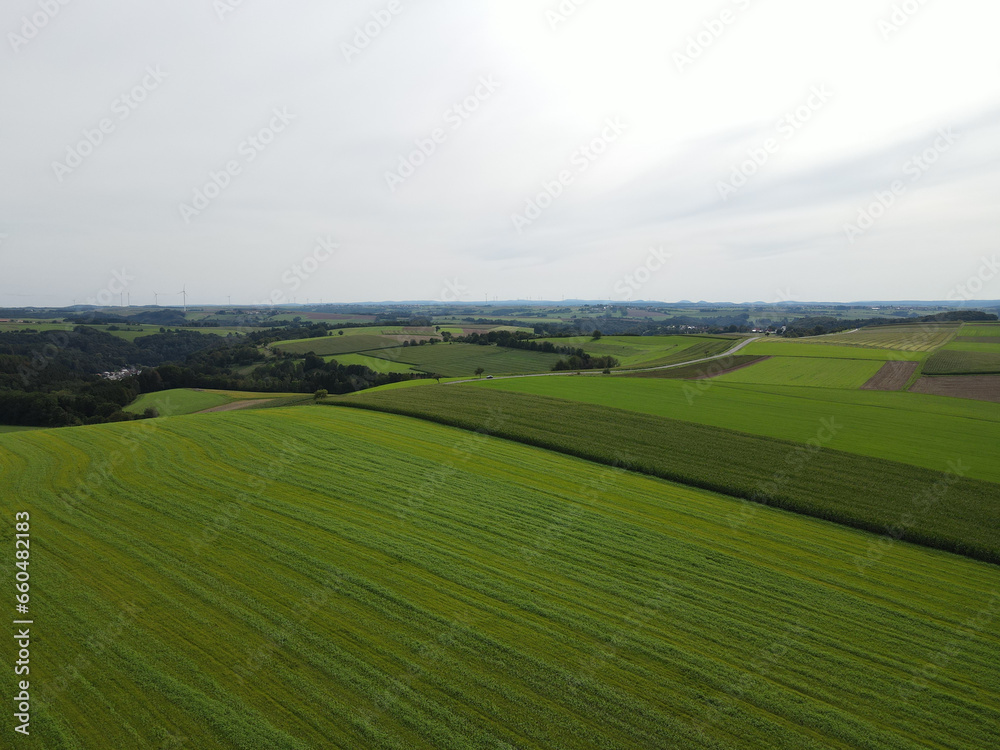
729,352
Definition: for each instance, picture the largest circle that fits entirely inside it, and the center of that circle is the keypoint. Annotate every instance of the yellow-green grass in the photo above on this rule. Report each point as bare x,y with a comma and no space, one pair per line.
927,431
983,360
635,351
39,326
177,401
372,363
806,371
4,428
801,348
464,359
916,338
318,578
251,395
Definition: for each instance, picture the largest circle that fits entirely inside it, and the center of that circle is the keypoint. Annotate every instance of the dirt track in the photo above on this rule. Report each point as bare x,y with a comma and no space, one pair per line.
891,377
234,405
979,387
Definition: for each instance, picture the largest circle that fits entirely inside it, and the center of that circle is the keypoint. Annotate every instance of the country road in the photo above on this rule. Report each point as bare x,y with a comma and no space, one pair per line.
727,353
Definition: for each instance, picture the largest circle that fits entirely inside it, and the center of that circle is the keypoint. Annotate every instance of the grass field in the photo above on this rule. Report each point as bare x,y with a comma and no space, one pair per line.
372,363
635,351
699,370
4,428
915,338
817,348
927,431
354,580
806,371
177,401
859,491
464,359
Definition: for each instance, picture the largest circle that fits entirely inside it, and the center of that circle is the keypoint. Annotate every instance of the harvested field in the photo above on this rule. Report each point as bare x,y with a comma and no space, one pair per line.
979,387
892,377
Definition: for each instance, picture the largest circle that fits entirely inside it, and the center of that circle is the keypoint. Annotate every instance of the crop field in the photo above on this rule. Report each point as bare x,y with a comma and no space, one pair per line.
950,361
326,345
980,330
913,338
806,371
927,431
333,583
816,348
855,490
464,359
635,351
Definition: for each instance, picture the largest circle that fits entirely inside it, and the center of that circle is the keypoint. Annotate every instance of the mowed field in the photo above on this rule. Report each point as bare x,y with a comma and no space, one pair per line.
917,338
334,583
806,371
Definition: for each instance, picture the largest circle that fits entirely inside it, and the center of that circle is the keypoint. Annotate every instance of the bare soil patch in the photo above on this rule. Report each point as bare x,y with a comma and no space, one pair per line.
893,376
979,387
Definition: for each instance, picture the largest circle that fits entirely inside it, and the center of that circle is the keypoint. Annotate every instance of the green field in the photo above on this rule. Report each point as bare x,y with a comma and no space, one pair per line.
177,401
816,348
372,363
927,431
916,338
949,361
980,330
4,428
698,370
464,359
636,351
859,491
347,579
806,371
326,345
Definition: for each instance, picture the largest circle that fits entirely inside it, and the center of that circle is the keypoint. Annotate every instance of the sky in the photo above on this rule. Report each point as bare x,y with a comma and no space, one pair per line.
249,152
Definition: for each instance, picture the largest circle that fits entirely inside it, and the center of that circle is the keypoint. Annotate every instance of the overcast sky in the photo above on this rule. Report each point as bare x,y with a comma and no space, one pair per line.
734,150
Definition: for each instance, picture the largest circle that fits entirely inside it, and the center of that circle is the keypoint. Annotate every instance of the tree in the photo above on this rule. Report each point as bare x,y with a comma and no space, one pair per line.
340,332
480,371
596,334
321,394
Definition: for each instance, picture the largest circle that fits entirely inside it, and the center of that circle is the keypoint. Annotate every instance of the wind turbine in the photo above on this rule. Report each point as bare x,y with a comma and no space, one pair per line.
156,299
184,292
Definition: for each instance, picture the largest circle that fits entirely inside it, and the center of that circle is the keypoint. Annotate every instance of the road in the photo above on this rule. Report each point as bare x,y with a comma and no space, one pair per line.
727,353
